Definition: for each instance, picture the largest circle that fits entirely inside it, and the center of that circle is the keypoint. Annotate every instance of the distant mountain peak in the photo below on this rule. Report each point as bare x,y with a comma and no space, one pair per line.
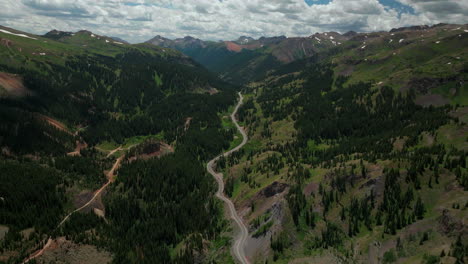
84,31
412,28
159,37
350,34
57,34
244,40
120,40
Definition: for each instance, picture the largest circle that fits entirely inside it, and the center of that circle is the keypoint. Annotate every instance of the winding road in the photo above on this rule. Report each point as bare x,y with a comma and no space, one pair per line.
239,245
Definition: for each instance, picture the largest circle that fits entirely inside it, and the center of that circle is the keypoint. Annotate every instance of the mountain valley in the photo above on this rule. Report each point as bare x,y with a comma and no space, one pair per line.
331,148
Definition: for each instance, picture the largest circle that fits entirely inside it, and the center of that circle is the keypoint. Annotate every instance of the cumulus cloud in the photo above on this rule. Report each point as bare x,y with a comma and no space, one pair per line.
139,20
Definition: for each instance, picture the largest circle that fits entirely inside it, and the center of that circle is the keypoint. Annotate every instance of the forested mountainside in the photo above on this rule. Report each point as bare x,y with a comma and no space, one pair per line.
356,151
359,154
83,115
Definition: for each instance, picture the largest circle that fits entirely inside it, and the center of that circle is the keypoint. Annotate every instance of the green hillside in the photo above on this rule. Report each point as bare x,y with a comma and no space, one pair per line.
348,163
356,152
66,99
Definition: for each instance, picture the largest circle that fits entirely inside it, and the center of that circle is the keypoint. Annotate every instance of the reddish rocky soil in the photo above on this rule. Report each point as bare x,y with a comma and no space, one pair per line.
57,124
238,48
13,84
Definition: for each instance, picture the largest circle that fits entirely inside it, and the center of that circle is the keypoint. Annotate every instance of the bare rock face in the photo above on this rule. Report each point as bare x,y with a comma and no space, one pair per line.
449,225
274,189
412,28
369,183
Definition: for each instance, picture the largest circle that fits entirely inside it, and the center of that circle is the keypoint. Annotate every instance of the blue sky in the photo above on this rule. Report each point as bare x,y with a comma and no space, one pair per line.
391,4
140,20
317,2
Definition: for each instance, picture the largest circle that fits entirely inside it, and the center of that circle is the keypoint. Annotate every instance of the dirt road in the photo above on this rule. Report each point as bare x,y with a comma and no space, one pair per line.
241,238
110,178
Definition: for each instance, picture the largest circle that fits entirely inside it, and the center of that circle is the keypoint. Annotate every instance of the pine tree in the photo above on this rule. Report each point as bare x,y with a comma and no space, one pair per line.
436,174
459,251
419,209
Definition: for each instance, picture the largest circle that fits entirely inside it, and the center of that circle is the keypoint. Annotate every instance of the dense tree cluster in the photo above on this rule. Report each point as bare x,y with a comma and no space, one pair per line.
154,205
151,203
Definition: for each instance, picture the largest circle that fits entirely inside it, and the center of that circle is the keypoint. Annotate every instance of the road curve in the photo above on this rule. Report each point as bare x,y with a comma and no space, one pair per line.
239,245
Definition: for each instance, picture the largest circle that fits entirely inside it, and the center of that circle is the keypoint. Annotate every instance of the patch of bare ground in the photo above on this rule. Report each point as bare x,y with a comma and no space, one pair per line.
64,251
431,99
84,197
263,200
452,226
13,84
152,150
268,201
213,91
188,120
27,232
6,42
428,139
3,231
79,146
231,46
346,71
461,113
455,135
399,143
375,179
99,213
258,247
55,123
311,188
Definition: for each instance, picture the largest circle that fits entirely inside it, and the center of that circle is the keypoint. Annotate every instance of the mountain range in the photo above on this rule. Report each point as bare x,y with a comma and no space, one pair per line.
331,148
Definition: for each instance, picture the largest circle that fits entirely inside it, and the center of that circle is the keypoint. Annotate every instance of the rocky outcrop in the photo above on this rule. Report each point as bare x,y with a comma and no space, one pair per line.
273,189
451,226
6,42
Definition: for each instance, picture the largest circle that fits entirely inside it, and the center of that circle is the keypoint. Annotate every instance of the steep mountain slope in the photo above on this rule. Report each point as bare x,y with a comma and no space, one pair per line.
247,59
347,164
430,60
356,153
75,105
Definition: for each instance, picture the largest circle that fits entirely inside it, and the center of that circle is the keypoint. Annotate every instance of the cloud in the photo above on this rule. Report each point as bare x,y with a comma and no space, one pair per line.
140,20
439,8
59,8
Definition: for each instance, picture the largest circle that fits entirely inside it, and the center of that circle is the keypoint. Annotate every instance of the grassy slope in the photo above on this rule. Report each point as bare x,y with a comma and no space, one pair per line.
415,60
20,52
435,198
437,54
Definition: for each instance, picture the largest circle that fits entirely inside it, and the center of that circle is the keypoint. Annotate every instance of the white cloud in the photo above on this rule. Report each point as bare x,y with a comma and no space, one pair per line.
139,20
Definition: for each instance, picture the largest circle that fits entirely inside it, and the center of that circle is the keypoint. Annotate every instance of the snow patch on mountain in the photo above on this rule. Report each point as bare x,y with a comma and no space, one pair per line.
19,35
